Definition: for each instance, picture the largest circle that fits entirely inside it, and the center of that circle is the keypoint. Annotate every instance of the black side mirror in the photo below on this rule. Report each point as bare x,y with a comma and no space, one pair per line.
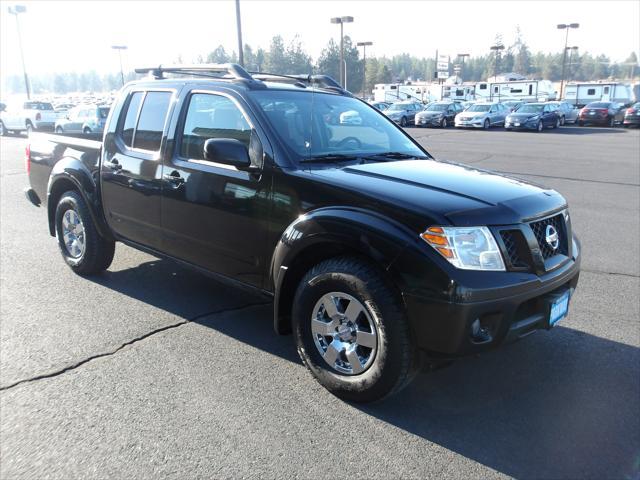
228,151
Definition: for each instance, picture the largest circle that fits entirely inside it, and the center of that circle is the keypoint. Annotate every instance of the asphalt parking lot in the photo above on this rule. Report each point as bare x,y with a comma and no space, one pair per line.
152,370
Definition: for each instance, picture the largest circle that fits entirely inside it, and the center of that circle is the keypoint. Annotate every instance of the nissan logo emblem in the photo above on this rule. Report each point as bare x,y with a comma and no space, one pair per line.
551,237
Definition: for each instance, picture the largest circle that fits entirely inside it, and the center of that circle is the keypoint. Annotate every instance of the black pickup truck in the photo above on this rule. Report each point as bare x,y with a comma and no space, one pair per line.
379,258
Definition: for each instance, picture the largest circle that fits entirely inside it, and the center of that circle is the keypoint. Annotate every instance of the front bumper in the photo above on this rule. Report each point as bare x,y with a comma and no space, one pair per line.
509,308
631,120
428,122
469,123
521,125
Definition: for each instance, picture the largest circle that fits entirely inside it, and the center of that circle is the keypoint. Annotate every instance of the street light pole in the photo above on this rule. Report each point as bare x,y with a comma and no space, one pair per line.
571,50
364,46
343,69
240,50
565,26
119,48
15,10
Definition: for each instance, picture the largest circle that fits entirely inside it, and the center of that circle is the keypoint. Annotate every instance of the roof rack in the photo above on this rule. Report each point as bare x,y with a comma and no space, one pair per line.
225,70
322,81
233,71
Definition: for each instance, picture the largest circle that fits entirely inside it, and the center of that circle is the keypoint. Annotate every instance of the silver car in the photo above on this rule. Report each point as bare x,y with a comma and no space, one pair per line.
83,119
403,113
568,113
482,115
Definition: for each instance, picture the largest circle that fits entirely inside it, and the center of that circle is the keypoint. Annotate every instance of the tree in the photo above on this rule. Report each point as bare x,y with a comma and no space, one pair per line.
329,60
299,61
219,55
276,61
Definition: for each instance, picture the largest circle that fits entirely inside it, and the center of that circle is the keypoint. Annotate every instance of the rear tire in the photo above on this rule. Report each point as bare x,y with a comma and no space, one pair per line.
86,130
376,336
612,122
81,246
59,130
580,123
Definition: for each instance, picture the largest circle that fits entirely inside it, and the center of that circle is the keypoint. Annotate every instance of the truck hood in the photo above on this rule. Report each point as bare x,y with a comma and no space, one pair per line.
462,195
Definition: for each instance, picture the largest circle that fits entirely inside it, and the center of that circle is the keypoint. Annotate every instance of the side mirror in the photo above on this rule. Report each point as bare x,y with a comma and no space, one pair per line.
228,151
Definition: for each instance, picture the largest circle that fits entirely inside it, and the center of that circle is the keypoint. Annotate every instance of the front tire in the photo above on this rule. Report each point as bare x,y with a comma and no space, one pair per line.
540,126
59,130
486,125
612,122
86,130
351,331
403,122
444,123
3,131
557,124
81,246
29,129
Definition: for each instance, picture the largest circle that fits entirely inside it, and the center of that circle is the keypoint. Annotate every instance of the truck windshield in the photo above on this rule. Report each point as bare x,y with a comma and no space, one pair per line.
314,124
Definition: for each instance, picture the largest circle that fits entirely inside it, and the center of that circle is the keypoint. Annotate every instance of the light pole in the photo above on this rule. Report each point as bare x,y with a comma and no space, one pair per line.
343,70
239,26
571,50
120,48
16,10
565,26
364,46
462,56
497,49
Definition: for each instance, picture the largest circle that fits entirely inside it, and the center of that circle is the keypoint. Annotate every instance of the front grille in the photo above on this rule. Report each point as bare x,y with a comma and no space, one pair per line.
539,230
516,248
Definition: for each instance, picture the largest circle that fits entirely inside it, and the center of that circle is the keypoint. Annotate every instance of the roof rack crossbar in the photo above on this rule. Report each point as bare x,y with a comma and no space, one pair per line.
323,81
233,70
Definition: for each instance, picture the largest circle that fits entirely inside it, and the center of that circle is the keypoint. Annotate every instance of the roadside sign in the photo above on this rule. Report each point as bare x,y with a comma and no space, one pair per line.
443,74
443,65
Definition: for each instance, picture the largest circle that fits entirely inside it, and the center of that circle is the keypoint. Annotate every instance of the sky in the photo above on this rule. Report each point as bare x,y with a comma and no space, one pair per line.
63,36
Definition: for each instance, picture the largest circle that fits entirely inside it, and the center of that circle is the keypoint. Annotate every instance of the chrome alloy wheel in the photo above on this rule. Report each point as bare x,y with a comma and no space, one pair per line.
73,233
344,333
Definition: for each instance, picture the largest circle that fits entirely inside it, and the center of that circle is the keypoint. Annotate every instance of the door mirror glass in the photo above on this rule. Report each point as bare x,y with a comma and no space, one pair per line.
228,151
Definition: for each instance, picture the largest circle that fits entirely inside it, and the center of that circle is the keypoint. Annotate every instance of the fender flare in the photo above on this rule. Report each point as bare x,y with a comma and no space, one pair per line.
71,173
328,232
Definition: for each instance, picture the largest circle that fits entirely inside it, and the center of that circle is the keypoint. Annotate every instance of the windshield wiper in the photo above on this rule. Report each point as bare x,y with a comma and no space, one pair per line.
395,155
330,157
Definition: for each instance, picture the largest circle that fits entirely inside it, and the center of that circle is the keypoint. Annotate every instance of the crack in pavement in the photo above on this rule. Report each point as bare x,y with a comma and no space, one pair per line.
600,272
125,344
605,182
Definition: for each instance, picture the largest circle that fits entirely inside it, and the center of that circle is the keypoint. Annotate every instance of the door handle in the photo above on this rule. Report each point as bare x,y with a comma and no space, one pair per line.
112,165
173,178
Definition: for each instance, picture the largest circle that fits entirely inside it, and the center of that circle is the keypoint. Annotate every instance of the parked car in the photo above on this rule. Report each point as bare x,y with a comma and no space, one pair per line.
632,115
601,113
350,117
438,114
482,115
378,258
27,117
533,116
403,113
84,119
513,105
567,112
382,106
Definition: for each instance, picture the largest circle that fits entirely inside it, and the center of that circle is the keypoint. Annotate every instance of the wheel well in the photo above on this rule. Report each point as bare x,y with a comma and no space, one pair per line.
304,261
28,122
61,186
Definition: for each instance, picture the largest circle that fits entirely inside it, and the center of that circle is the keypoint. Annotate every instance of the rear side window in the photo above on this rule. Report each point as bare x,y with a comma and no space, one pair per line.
211,116
130,120
148,135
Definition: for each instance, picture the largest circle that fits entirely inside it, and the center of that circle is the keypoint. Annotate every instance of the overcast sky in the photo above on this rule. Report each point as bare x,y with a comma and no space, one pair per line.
76,36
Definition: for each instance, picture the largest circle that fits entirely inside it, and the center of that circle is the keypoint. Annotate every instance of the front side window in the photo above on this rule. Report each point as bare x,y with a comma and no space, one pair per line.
211,116
148,134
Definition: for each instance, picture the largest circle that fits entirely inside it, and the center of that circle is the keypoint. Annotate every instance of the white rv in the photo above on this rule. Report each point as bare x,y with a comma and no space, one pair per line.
422,92
580,94
525,90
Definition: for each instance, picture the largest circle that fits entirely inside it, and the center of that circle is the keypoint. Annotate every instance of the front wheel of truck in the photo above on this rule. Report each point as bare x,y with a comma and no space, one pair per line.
351,331
81,245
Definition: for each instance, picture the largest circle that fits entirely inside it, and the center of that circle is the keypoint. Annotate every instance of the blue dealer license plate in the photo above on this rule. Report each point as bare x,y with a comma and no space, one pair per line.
559,309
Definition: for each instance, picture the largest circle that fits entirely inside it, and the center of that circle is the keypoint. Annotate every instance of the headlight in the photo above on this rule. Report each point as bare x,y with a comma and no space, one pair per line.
468,248
478,117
